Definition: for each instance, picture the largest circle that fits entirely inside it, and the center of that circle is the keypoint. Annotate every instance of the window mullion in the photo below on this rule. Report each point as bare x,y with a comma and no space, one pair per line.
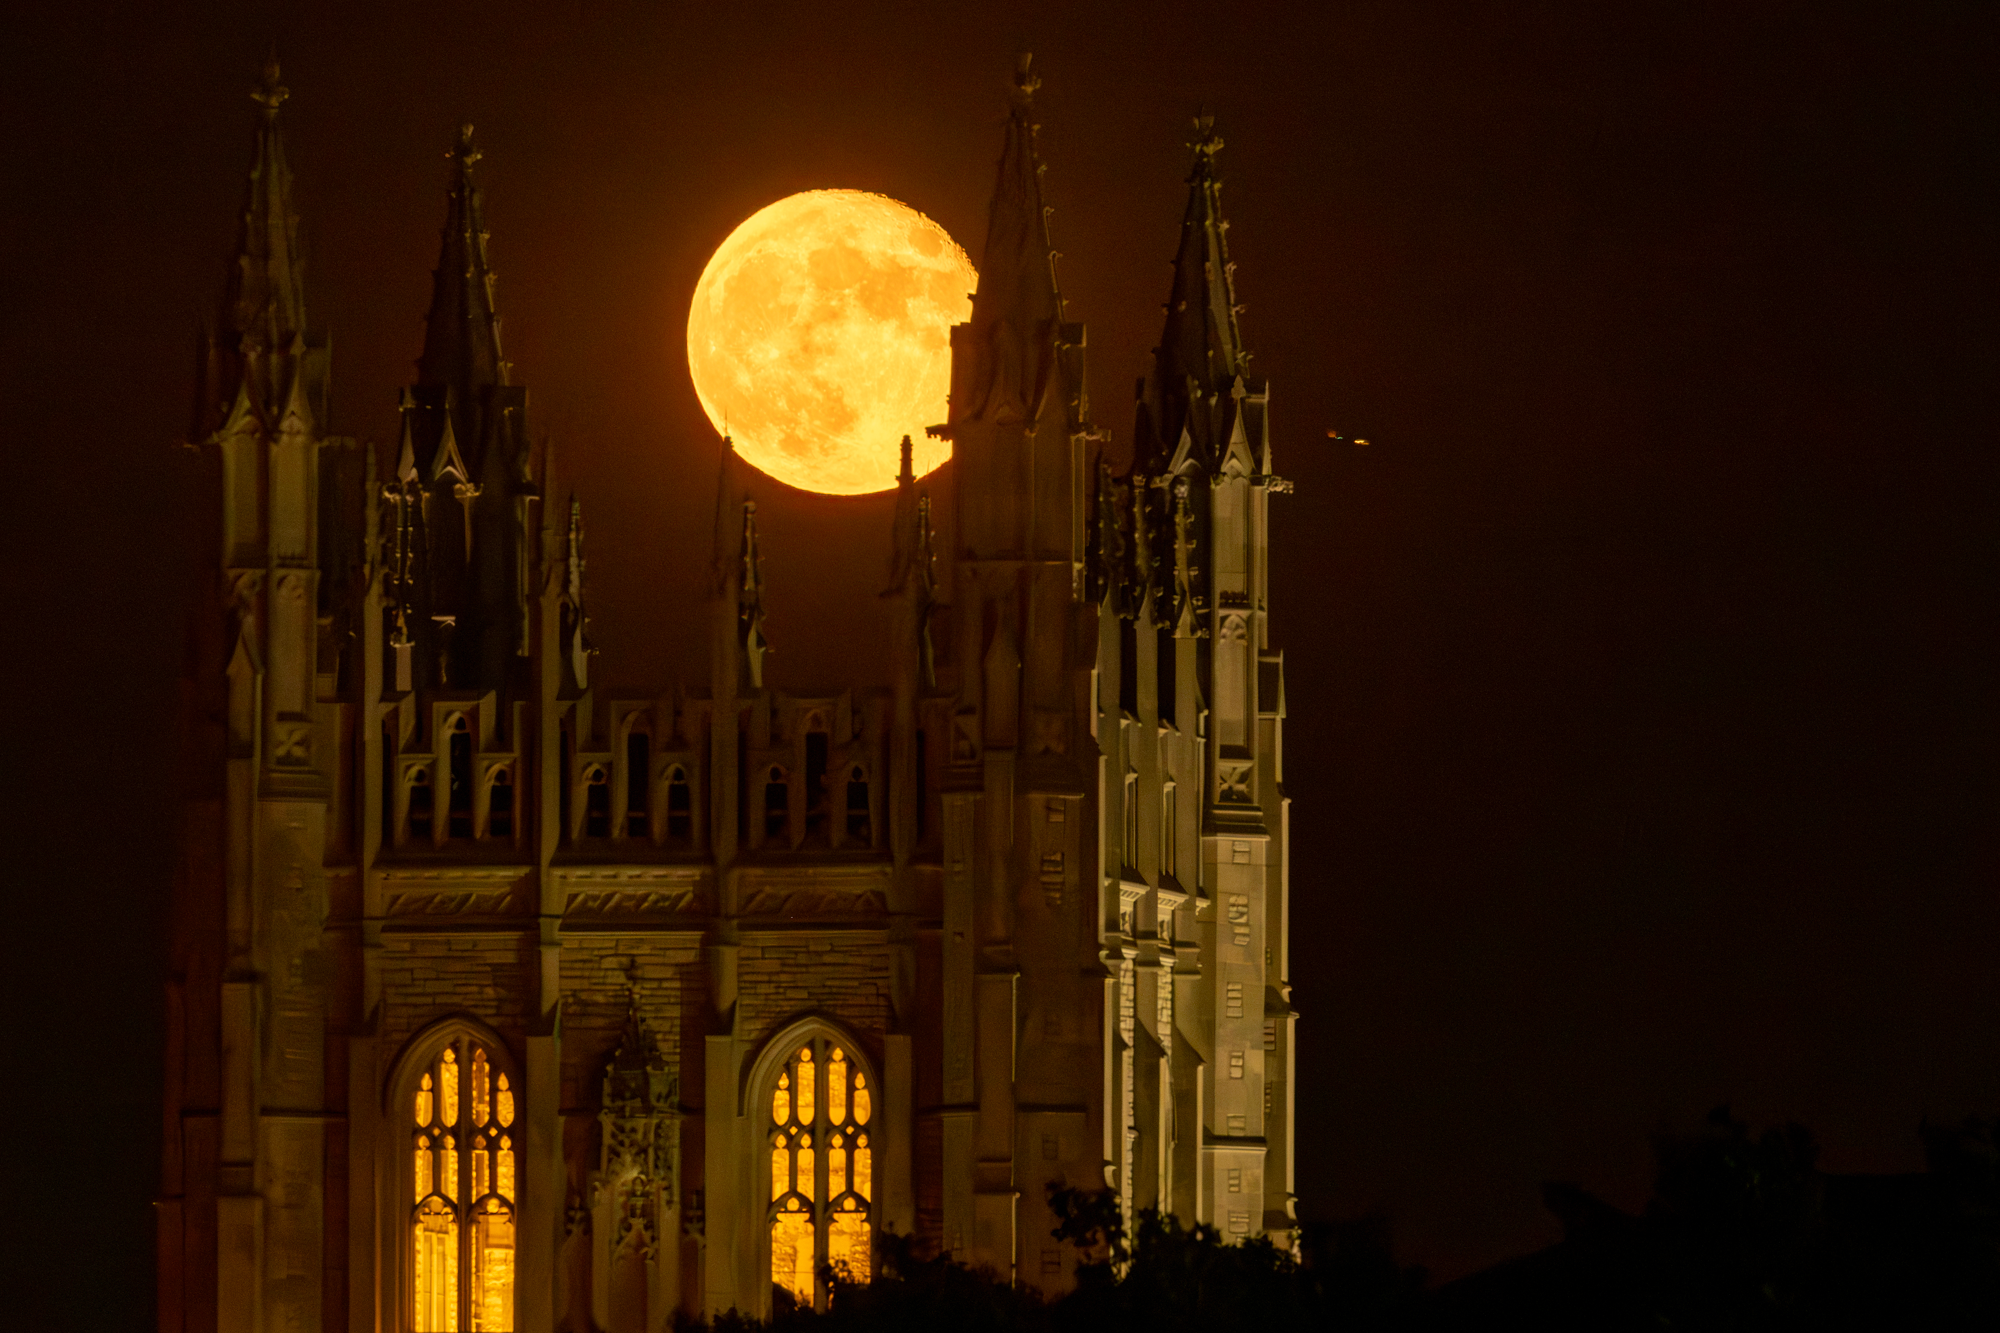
822,1139
465,1178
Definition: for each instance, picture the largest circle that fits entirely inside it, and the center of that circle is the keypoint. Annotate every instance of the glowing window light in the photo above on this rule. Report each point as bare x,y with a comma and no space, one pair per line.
820,1217
462,1220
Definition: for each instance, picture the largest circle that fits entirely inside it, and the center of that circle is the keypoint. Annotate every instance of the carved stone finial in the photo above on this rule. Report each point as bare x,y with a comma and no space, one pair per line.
467,152
270,92
1026,81
637,1078
1207,143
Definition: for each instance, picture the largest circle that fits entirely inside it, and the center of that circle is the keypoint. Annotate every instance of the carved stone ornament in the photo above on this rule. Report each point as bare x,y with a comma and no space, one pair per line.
1233,783
292,747
642,1132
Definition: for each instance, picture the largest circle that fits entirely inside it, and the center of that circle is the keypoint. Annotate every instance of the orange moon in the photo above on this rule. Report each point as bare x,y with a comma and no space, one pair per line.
820,335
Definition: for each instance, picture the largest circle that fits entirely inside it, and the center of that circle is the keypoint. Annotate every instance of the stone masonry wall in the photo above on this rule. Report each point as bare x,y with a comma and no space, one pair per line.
599,974
780,979
425,977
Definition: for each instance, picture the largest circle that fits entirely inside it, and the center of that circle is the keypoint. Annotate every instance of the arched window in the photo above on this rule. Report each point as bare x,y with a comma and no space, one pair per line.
462,1194
500,803
458,804
777,805
638,775
1169,831
857,805
680,806
420,804
822,1169
596,803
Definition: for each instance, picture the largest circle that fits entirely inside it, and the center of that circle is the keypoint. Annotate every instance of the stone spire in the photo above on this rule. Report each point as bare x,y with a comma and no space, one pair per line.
462,332
252,357
1017,306
1201,354
1017,397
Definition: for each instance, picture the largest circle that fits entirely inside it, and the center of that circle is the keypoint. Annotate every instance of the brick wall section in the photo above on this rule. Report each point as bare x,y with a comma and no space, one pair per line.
598,976
491,977
779,980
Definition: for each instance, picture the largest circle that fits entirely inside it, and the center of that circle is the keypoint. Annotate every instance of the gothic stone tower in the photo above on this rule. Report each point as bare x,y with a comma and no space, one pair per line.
500,1004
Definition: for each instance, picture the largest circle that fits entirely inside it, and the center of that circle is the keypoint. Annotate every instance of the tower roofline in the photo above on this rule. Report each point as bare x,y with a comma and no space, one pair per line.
1201,353
250,360
462,328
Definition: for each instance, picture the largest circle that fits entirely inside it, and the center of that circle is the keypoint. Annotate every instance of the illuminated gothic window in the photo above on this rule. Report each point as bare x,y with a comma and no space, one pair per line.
638,764
596,804
857,805
462,1194
420,803
680,806
500,804
822,1170
777,805
458,804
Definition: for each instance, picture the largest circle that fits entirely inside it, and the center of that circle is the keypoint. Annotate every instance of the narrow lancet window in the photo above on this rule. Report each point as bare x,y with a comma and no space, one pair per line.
420,804
816,784
680,807
638,791
462,1185
822,1171
500,803
858,830
777,805
459,802
597,804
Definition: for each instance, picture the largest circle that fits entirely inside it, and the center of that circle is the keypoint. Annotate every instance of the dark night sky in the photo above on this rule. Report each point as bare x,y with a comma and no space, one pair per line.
1641,675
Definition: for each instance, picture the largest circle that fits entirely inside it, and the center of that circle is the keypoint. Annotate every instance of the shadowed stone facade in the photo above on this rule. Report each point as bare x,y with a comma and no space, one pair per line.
1019,909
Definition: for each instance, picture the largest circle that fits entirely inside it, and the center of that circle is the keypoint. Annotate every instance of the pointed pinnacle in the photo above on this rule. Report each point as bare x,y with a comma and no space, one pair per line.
467,152
1206,144
270,91
1026,81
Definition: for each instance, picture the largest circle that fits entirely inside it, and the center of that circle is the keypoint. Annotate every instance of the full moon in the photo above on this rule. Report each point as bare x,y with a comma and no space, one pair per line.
820,336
